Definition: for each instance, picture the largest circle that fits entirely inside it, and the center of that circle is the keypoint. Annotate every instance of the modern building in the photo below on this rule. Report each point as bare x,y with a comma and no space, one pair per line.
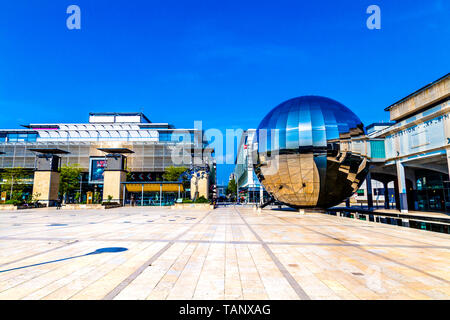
221,191
129,144
379,200
408,156
377,192
250,189
416,149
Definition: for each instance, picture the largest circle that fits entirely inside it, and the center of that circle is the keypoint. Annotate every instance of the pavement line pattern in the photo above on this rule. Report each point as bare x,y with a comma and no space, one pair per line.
223,257
112,294
342,244
290,279
358,246
38,253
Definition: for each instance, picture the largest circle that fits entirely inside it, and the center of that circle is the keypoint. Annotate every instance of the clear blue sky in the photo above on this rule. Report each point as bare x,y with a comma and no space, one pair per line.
224,62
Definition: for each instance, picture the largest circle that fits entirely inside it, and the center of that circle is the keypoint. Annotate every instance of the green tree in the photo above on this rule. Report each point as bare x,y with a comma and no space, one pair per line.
13,180
231,188
69,179
173,173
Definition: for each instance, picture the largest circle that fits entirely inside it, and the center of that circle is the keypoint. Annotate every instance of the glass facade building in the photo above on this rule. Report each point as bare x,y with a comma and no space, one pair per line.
250,189
155,146
416,149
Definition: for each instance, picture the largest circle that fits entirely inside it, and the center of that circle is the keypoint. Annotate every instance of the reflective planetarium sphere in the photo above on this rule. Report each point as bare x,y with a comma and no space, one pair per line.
304,158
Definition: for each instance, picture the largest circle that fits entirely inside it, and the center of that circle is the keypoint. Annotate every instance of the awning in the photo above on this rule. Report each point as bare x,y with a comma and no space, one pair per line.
154,187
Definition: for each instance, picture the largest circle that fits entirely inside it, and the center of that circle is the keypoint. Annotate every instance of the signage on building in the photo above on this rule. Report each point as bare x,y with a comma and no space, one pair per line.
423,125
421,137
96,170
145,176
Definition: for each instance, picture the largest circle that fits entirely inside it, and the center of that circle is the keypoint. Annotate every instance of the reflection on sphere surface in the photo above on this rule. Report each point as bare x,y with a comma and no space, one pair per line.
304,157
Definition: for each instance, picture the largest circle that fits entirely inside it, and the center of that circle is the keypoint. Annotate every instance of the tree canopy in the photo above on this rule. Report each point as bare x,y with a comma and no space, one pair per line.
69,179
13,179
173,173
231,188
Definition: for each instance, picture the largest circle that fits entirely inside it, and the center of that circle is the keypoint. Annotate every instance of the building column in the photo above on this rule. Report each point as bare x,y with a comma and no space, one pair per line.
386,195
261,194
112,185
46,187
369,191
46,179
114,176
142,195
402,187
124,195
448,162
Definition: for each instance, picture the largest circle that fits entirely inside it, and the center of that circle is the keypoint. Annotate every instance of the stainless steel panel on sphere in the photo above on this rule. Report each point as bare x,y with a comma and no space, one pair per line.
303,157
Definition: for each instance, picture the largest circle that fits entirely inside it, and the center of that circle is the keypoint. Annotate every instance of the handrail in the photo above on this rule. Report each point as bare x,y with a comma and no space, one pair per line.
389,214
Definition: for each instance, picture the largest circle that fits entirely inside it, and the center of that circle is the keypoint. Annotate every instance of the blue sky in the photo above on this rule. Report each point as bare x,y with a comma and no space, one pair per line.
227,63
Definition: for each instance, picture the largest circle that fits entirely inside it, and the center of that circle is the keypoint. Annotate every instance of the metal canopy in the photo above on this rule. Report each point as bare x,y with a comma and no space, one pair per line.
49,151
115,150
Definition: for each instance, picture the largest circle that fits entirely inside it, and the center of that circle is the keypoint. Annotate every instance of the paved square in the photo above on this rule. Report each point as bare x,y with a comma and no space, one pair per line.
225,253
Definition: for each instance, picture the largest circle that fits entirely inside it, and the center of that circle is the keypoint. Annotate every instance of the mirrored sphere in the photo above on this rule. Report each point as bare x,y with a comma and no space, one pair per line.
304,157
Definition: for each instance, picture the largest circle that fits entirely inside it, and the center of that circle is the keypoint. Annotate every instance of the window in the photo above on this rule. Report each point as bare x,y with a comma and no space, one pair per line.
176,137
12,137
377,149
32,137
19,137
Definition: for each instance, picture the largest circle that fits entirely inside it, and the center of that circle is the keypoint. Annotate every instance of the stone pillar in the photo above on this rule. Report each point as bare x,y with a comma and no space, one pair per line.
112,185
46,186
46,179
114,175
386,195
369,191
402,187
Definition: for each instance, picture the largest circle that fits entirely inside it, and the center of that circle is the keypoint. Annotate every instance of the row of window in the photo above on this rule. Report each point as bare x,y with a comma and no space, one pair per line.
18,137
32,137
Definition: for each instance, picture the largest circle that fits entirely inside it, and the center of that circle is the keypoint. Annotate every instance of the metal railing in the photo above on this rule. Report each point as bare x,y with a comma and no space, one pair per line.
435,224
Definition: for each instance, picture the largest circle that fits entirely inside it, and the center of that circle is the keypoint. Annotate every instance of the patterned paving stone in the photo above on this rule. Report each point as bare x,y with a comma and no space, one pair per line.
228,253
